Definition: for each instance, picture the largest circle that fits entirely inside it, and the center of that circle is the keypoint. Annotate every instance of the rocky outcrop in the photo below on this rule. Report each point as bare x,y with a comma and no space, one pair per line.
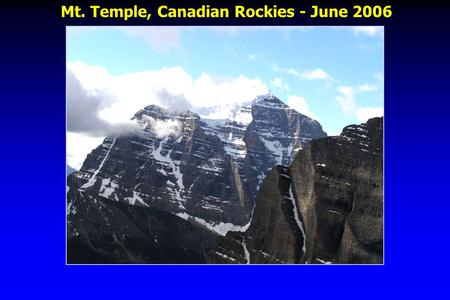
106,231
275,234
327,207
206,171
175,167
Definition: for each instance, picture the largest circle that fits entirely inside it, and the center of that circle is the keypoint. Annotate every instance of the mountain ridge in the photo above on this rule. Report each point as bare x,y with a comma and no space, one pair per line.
244,151
206,172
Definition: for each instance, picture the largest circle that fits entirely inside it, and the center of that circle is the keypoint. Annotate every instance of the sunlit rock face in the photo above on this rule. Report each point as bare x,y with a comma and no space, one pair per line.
327,207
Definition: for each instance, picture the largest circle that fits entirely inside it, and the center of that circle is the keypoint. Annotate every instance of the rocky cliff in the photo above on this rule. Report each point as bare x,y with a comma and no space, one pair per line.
204,171
327,207
106,231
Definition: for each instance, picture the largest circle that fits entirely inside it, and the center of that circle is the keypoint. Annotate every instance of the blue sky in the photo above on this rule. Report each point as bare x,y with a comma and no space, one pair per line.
334,74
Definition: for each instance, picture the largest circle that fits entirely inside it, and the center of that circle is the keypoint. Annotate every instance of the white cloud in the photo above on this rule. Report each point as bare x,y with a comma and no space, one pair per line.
86,107
299,104
214,97
293,72
78,146
348,104
365,113
253,57
367,88
313,74
379,76
163,128
316,74
133,91
279,83
346,99
371,31
101,104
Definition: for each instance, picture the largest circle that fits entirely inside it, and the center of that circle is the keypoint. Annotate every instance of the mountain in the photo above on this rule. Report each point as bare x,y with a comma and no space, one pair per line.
205,172
327,207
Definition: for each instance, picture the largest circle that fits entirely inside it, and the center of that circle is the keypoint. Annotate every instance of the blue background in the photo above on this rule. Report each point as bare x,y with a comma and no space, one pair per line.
32,221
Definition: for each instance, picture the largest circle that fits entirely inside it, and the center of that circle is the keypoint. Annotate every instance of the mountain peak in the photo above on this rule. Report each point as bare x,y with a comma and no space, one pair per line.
204,171
263,97
269,100
160,112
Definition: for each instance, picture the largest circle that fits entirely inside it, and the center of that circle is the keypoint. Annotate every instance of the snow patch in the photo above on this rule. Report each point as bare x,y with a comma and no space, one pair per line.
260,178
108,187
136,197
219,228
246,253
231,131
323,261
71,209
91,180
162,171
297,218
275,148
234,152
225,256
175,168
211,168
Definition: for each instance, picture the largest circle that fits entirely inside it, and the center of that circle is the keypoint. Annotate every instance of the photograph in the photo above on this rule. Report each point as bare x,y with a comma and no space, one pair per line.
225,145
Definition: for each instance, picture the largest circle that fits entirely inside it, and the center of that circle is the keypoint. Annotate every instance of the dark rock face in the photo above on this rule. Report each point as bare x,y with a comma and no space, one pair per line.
275,234
274,136
327,207
106,231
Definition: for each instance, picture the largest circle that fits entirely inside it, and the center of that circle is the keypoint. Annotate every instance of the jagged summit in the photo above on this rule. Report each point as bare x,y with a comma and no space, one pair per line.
240,113
165,113
265,97
270,100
